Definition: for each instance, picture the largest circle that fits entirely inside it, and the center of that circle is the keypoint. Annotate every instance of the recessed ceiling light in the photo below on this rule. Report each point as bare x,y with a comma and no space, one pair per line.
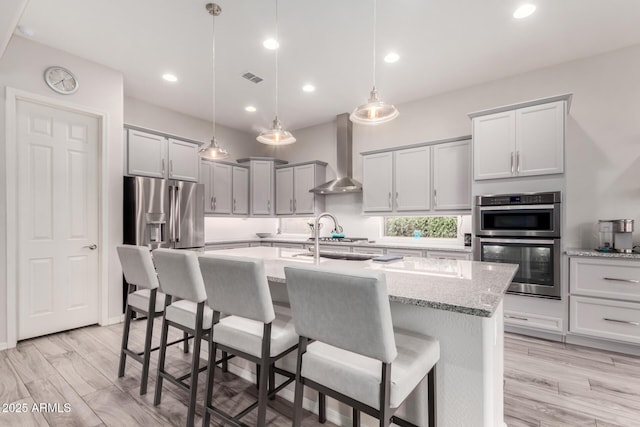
250,109
27,31
271,44
391,57
524,11
309,88
170,77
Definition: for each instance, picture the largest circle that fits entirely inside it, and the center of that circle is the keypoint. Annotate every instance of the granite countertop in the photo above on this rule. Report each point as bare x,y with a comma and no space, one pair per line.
468,287
594,253
361,243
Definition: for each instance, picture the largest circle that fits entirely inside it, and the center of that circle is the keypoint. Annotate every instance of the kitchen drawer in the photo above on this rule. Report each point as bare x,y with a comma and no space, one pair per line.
615,320
334,248
226,246
405,252
289,245
449,255
372,251
614,279
533,321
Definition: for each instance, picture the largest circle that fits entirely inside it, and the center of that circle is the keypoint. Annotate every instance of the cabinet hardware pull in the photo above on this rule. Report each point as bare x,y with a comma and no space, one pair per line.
269,206
290,205
512,169
397,204
435,197
163,168
295,205
215,202
211,203
628,322
508,316
389,198
518,162
234,204
613,279
171,168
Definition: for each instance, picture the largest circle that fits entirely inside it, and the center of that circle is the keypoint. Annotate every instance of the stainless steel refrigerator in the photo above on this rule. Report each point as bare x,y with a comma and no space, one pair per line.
160,213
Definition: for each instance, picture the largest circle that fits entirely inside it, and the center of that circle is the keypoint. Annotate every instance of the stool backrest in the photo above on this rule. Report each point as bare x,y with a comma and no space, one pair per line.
237,286
348,309
179,274
137,266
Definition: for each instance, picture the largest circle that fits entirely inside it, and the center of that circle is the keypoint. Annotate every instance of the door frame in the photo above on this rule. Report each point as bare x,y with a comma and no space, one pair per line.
11,209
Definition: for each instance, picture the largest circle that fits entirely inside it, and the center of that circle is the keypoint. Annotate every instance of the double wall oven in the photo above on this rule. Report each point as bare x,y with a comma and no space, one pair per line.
522,229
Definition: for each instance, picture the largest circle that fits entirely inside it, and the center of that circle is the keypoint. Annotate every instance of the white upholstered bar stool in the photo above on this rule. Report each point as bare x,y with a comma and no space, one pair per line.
143,298
180,277
358,358
252,329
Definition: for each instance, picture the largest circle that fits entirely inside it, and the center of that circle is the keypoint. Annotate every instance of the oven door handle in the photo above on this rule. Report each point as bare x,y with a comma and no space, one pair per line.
520,241
515,207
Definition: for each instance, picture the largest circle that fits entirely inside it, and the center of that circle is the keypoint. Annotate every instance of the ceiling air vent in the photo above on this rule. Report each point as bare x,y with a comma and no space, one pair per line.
252,77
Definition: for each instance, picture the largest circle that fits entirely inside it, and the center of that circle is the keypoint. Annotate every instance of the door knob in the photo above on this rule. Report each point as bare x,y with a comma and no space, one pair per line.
91,247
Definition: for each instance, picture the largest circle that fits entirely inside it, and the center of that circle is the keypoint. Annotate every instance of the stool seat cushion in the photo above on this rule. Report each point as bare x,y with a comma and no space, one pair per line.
359,377
246,335
183,312
140,300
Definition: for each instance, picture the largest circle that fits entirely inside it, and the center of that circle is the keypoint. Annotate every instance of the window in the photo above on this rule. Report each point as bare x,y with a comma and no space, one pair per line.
438,227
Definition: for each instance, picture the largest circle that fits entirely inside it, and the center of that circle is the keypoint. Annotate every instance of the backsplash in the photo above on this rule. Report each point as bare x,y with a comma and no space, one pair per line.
216,228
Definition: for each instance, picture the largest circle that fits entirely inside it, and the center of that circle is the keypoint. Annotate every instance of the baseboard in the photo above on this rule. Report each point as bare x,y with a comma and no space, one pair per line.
534,333
618,347
3,346
114,320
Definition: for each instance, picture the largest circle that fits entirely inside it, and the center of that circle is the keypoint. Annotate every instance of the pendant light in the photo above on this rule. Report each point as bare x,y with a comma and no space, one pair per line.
213,150
374,111
276,135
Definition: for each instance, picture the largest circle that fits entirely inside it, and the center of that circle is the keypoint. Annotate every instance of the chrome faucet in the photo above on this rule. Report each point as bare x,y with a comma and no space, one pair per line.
316,234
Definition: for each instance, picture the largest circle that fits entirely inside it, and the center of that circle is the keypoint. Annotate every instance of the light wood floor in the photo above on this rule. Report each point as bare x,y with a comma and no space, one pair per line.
546,384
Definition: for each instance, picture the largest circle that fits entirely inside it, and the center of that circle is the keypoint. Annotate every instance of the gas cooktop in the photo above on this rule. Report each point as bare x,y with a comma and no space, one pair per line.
340,239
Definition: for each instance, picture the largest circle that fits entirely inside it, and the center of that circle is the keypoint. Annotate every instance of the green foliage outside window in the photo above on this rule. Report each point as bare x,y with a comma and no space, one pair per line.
444,227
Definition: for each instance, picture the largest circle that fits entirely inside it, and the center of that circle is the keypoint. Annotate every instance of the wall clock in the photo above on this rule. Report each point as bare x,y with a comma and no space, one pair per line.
61,80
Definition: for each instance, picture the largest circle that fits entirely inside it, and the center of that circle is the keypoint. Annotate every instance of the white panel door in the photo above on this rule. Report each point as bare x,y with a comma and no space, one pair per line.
205,179
284,191
304,178
261,187
240,191
57,220
221,185
494,141
452,176
540,139
146,154
183,160
412,172
377,182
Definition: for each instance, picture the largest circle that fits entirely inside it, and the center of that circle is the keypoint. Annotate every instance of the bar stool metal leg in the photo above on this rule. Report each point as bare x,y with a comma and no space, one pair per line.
125,336
195,366
322,408
147,342
162,353
297,401
385,395
225,364
185,342
263,382
355,417
431,388
211,373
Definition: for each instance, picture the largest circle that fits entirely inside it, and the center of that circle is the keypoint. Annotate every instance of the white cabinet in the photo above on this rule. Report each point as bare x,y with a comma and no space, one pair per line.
427,178
377,184
293,183
226,188
452,176
240,191
155,156
146,154
183,160
615,320
412,179
523,140
453,255
405,252
262,190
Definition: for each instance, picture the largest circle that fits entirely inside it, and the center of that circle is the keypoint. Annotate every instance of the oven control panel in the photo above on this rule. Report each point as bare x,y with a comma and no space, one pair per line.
519,199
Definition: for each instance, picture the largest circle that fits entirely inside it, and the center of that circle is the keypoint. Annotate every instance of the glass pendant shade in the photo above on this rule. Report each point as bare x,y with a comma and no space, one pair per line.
276,135
213,151
374,111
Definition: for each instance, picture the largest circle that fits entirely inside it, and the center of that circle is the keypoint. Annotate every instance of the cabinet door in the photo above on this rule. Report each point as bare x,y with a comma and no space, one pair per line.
304,180
284,191
540,139
205,179
146,154
240,191
413,179
377,185
261,187
183,160
221,184
494,139
452,176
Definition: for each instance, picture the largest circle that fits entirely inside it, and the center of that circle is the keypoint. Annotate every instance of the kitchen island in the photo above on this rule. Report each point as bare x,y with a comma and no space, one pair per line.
458,302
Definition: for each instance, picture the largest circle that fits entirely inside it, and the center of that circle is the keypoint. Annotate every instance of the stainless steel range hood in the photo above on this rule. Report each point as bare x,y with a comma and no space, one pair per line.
344,183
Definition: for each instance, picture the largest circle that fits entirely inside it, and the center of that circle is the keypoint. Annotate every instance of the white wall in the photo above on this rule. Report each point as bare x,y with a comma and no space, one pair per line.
603,134
140,113
216,228
22,67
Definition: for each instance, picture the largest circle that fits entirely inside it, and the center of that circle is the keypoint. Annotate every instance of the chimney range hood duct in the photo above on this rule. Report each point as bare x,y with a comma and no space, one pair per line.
344,183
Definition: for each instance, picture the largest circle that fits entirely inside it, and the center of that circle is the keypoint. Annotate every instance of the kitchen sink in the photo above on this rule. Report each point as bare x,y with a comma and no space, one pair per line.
340,255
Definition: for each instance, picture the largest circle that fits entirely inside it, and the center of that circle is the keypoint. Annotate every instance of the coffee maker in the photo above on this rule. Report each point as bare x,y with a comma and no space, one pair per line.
622,232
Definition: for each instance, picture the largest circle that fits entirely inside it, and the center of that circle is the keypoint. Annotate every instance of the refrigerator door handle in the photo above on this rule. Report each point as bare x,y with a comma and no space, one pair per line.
172,227
177,217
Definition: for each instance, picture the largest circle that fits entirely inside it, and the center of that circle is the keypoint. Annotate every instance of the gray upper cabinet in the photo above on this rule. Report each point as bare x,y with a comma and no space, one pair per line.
412,173
226,188
221,183
156,156
520,140
293,183
240,202
377,186
452,176
262,188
